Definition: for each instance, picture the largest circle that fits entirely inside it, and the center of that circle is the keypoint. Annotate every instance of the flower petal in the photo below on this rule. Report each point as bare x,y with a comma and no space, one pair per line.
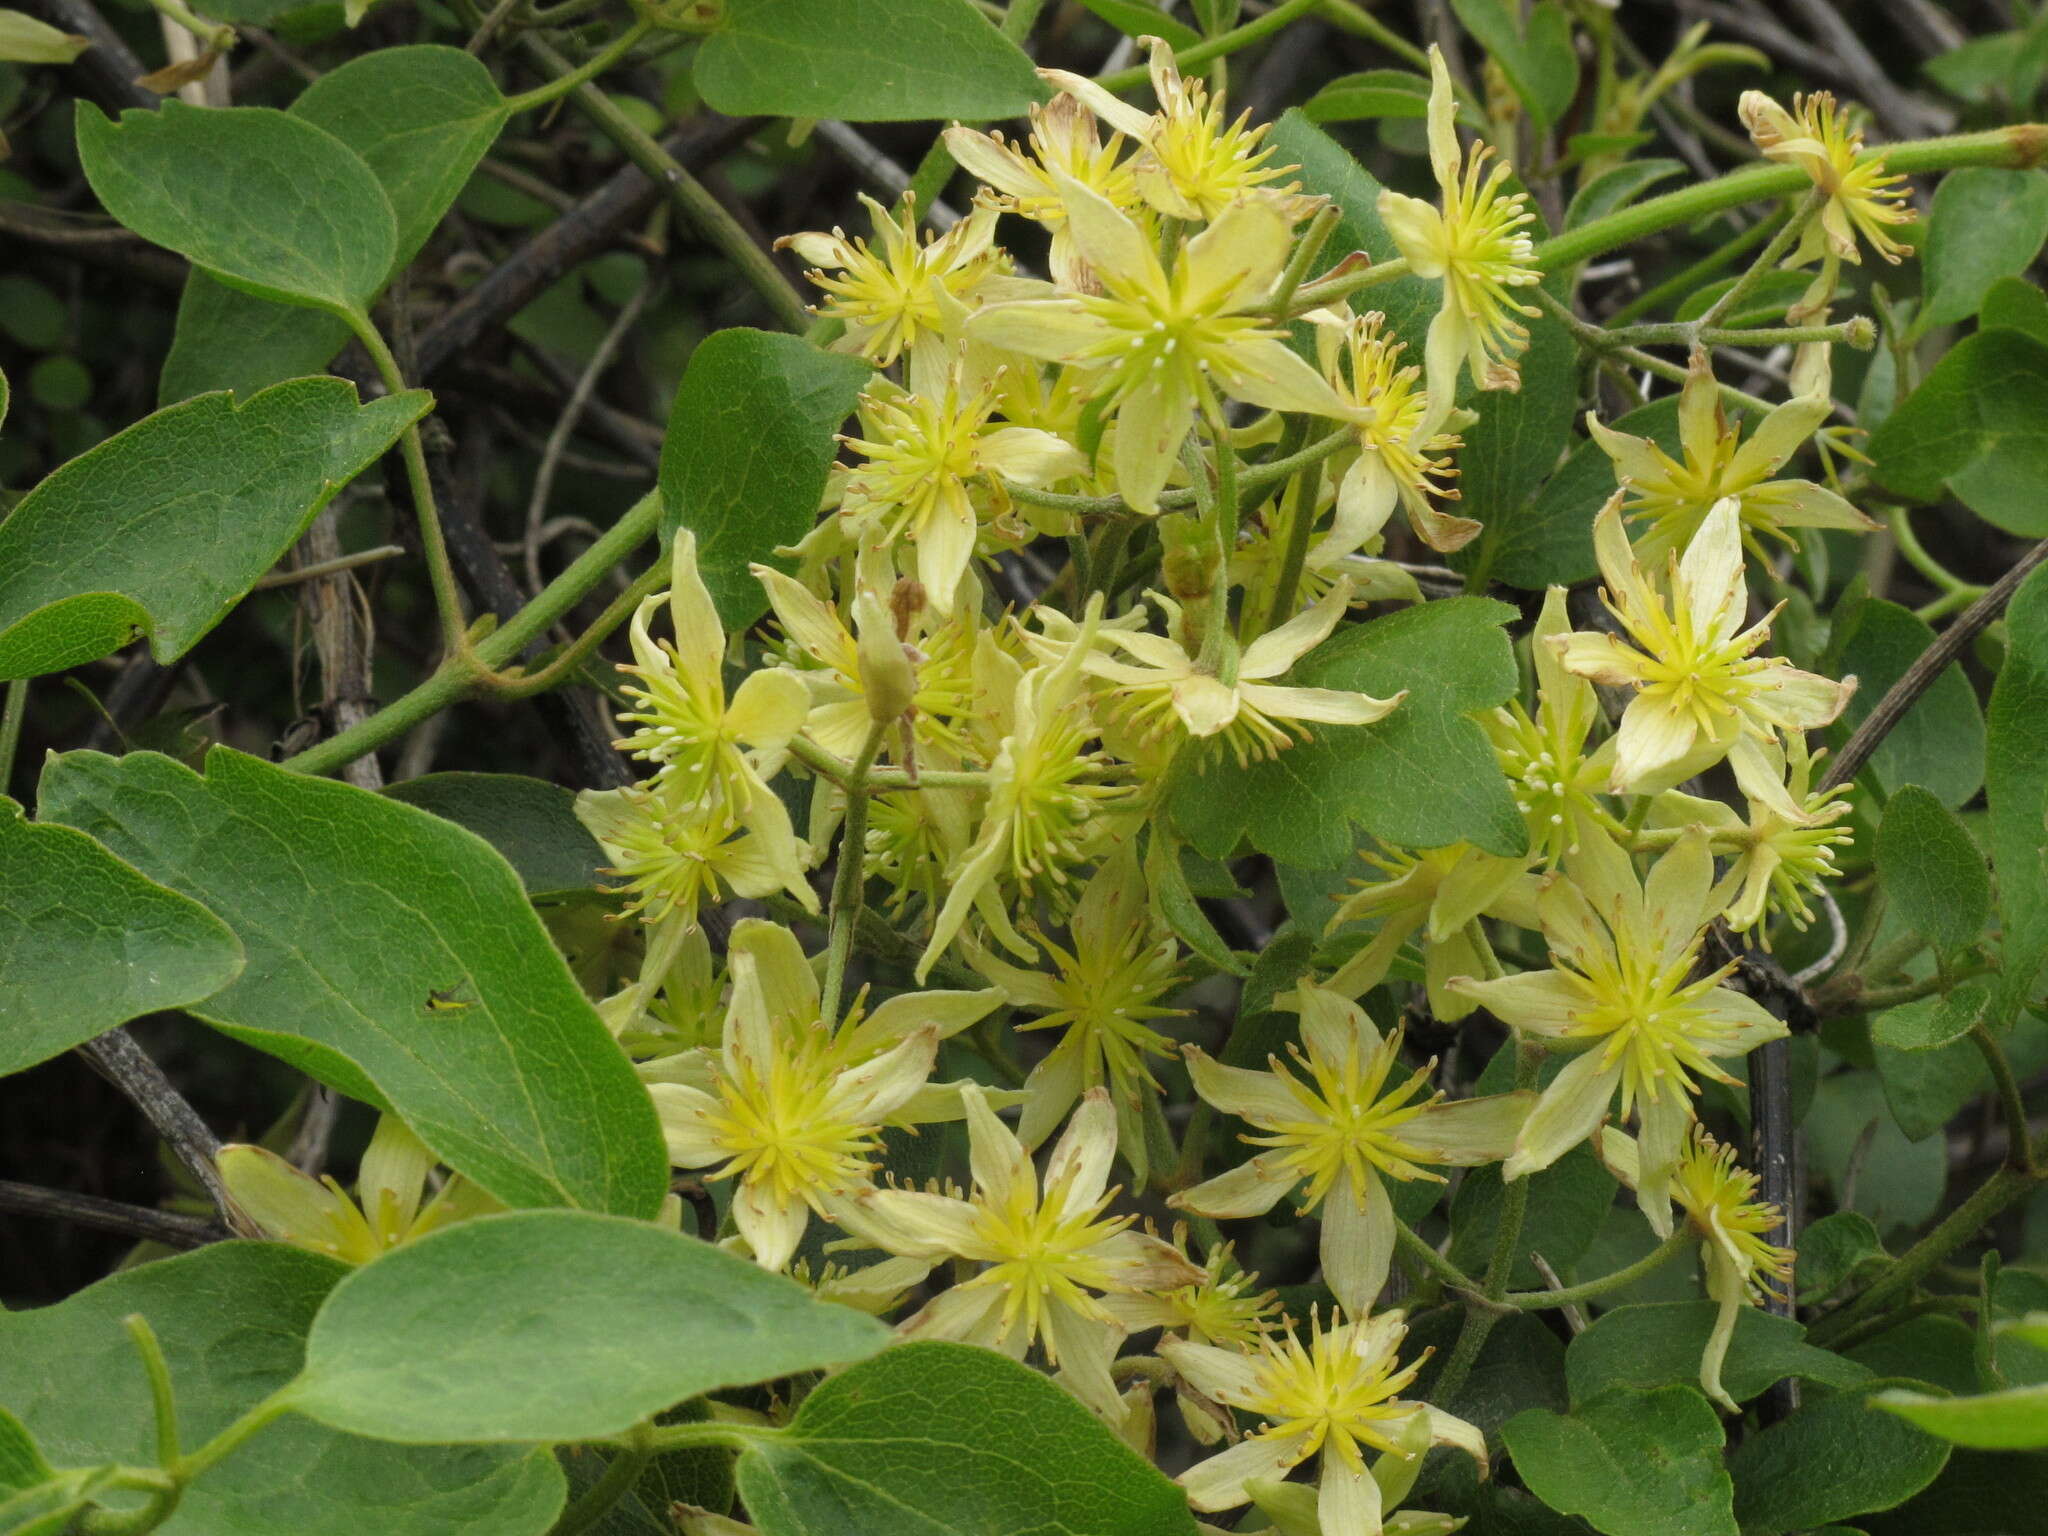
1218,1483
1357,1247
1566,1113
1467,1132
1252,1189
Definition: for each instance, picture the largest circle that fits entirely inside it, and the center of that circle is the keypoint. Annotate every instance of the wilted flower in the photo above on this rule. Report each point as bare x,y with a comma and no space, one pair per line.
1341,1127
1816,136
1476,244
1623,996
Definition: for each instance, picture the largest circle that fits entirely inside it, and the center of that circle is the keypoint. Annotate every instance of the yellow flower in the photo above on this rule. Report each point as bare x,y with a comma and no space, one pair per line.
1674,495
1817,137
1162,690
1194,162
792,1107
1734,1227
1556,782
686,726
1335,1394
1063,142
1104,992
1222,1307
923,457
1403,451
1163,343
1047,1250
1701,693
884,293
1621,994
317,1214
1341,1128
1780,861
1442,893
1478,247
674,851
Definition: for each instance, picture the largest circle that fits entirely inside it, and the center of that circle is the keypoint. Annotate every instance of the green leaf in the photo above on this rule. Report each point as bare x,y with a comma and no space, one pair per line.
2014,304
1141,18
1568,1202
2013,1420
1926,1088
1539,60
353,909
868,61
1832,1460
1939,742
1328,168
163,528
70,910
1929,1023
264,201
1978,424
1548,541
1633,1463
1985,225
2016,785
556,1325
1516,444
1617,188
750,438
1932,870
21,1463
1375,93
1521,1367
1660,1344
232,1320
936,1439
1832,1251
1454,659
1979,1493
1899,1182
420,118
529,821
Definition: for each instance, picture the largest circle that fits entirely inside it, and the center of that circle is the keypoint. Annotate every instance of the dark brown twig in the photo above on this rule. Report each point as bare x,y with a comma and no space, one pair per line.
167,1227
130,1068
108,69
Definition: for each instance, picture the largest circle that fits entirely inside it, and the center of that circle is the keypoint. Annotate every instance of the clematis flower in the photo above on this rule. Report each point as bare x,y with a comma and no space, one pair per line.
1817,137
791,1107
1779,862
1673,496
1621,996
1063,141
1334,1394
674,851
1734,1227
708,749
292,1207
1048,1250
1701,693
1223,1307
1478,247
1193,161
1343,1131
1104,990
884,293
1440,893
1403,452
1556,781
1161,689
1163,343
923,458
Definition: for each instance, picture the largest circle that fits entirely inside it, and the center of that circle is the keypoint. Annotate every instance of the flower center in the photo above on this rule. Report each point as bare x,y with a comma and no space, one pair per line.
782,1130
1347,1124
1041,1254
1329,1393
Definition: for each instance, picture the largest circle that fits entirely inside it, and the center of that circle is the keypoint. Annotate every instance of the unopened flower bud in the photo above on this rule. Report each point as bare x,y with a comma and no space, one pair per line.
888,678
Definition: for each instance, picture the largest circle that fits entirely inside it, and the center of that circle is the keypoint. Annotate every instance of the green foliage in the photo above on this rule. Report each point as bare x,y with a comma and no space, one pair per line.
66,903
555,1325
2016,774
1453,660
353,910
1831,1461
1534,49
232,1320
864,60
2013,1420
749,442
1939,744
101,552
1660,1343
1974,427
1633,1463
1932,869
1986,225
532,824
947,1440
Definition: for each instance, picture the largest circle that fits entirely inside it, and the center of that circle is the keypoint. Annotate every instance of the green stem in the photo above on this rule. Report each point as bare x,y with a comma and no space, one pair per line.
620,1476
598,63
1481,1314
570,659
2019,1146
1946,581
1300,506
1313,239
839,771
1682,285
1858,331
1781,242
1219,46
462,674
213,34
1411,1243
849,883
719,1432
447,595
1877,999
162,1401
693,200
930,177
1590,1290
12,713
